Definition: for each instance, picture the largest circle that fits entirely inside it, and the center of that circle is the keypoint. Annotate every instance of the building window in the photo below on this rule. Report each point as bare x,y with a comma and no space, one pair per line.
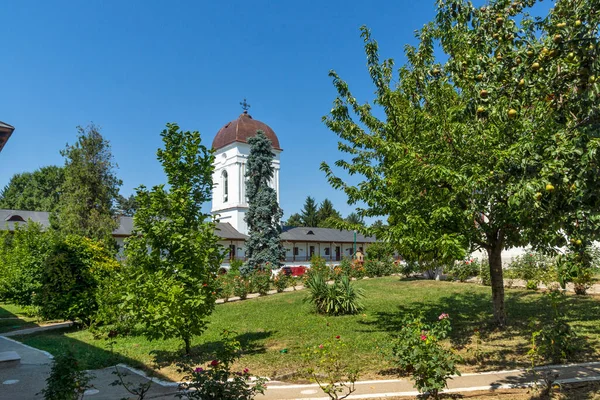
225,186
295,251
326,251
312,251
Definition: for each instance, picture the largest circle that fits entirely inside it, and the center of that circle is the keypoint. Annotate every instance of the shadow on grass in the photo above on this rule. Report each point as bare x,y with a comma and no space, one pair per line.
12,322
472,311
88,356
205,352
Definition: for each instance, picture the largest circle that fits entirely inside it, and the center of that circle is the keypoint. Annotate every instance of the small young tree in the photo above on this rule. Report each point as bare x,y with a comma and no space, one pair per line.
173,255
90,188
264,214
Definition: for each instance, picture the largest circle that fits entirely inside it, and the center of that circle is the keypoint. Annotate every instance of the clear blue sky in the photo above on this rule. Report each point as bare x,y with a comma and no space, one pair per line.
132,66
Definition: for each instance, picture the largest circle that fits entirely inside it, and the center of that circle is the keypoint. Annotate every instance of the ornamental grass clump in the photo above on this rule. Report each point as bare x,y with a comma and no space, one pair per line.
339,298
419,352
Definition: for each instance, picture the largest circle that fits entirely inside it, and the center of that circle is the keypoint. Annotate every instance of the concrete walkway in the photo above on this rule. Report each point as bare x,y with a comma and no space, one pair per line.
24,381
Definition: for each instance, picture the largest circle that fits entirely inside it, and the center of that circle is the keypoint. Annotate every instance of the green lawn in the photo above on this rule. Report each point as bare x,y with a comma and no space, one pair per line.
269,324
13,317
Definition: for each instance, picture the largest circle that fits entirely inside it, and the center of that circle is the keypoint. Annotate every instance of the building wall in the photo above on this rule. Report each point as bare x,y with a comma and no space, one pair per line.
232,206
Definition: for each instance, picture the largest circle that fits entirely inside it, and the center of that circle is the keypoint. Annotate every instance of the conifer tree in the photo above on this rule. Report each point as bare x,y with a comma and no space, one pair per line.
264,214
309,213
327,215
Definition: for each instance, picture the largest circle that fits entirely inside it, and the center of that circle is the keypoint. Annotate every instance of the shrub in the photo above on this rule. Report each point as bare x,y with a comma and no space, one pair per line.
484,273
318,266
408,268
241,286
23,253
419,353
382,251
533,268
351,268
73,272
555,341
281,282
225,285
339,298
325,365
217,381
261,281
66,380
578,266
463,270
235,265
376,268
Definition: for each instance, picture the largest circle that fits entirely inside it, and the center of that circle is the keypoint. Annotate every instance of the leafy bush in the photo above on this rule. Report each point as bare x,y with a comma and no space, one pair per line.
351,268
241,286
339,298
555,340
235,265
484,273
318,266
261,281
376,268
217,381
578,265
73,272
533,268
23,253
281,282
325,365
66,380
463,270
418,352
408,268
382,251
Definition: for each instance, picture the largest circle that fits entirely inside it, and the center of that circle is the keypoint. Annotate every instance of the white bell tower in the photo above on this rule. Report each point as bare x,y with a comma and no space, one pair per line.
229,202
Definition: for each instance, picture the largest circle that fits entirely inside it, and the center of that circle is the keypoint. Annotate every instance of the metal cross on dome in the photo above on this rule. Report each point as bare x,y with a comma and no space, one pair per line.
245,105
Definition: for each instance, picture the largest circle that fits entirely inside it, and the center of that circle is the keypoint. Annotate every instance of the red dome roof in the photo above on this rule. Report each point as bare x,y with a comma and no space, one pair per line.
241,129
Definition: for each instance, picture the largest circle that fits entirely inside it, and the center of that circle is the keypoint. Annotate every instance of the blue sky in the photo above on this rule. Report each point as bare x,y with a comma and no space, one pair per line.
132,66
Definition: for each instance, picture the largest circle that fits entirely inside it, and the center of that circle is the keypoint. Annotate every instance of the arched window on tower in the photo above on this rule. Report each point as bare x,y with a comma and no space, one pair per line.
225,186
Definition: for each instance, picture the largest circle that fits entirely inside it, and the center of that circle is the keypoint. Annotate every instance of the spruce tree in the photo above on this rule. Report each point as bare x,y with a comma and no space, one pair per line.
327,215
309,213
263,246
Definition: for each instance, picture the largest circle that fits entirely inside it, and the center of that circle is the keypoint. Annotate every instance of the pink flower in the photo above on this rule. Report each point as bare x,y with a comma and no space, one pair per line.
320,346
214,363
423,337
199,370
443,316
246,370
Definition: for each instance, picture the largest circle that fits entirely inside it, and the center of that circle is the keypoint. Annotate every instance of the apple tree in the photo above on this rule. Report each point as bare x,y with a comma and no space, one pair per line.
489,134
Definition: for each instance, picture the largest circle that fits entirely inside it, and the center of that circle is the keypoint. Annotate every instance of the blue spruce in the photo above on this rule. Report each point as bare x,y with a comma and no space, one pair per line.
264,249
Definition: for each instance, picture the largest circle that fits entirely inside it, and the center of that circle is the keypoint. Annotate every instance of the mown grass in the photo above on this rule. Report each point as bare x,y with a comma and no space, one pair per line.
268,325
13,317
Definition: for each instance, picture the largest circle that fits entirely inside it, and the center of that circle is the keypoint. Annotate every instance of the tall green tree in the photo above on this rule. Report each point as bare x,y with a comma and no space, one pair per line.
90,187
493,145
294,220
355,219
33,191
264,214
327,215
126,206
173,255
309,213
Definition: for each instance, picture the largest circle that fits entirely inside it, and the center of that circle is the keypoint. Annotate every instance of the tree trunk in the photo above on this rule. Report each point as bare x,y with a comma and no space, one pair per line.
187,344
497,280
